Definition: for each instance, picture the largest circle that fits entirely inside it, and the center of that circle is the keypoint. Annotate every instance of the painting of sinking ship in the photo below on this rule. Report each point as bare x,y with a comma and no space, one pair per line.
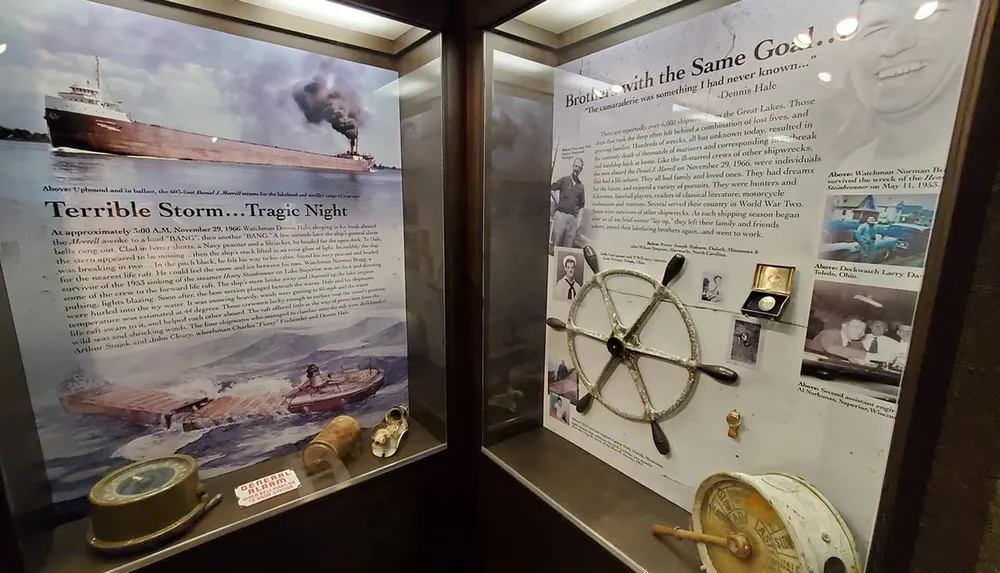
239,400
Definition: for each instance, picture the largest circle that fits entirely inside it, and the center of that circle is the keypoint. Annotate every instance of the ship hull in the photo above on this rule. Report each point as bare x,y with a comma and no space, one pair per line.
91,133
137,406
319,403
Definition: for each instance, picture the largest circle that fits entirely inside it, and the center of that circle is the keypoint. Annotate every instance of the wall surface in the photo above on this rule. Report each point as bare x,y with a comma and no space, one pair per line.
960,521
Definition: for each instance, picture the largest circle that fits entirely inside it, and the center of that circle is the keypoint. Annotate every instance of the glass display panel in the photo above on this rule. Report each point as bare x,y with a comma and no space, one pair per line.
739,207
208,247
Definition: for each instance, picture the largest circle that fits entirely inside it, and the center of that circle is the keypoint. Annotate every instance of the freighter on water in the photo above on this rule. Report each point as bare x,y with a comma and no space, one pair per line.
82,119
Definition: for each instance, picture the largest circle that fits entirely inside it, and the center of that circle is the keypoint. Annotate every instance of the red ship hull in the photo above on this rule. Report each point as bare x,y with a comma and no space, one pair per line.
91,133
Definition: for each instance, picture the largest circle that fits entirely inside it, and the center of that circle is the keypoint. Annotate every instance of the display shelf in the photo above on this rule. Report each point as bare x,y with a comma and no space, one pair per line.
606,504
67,552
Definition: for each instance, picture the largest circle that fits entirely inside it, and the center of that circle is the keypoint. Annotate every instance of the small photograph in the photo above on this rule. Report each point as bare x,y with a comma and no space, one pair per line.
559,408
561,378
878,229
745,347
568,275
711,287
569,216
859,336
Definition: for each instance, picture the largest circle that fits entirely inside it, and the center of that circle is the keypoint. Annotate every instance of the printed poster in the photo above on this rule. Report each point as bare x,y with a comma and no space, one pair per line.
804,135
201,236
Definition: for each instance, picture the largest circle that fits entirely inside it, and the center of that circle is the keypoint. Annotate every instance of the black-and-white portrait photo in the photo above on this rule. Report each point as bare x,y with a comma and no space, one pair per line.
568,275
745,347
859,336
712,287
905,66
570,217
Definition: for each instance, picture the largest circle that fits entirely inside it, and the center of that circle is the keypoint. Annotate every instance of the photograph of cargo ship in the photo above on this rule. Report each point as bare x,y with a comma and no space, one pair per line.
81,118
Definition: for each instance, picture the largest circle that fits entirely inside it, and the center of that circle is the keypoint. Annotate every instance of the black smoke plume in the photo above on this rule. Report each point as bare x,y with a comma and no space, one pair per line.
340,107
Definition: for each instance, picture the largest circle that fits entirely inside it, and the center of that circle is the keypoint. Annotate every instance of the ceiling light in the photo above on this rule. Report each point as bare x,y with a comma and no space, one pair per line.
846,27
215,139
3,48
925,10
803,40
339,15
825,77
617,89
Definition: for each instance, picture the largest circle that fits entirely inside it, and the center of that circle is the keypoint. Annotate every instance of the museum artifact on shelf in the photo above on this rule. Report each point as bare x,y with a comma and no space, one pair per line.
767,523
147,503
337,441
624,346
772,287
734,420
388,434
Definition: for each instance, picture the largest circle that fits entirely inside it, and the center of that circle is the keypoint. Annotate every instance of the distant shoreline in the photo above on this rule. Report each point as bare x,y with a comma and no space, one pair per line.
16,134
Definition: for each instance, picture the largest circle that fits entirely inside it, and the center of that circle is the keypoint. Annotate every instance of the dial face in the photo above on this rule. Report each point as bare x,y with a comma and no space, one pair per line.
730,507
141,480
767,303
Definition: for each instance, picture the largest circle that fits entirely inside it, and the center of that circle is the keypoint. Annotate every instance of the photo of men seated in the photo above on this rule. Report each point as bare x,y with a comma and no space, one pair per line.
878,229
859,336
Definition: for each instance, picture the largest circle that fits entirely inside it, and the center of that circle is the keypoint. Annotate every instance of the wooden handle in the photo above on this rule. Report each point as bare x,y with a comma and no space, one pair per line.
555,324
590,255
660,439
720,373
673,269
687,535
736,543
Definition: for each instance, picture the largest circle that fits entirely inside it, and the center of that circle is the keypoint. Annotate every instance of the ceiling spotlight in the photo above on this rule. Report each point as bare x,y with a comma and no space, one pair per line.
3,48
824,77
803,40
846,27
215,139
617,89
925,10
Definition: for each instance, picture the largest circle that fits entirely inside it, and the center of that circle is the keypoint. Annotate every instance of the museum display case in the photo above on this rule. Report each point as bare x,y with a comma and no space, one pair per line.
223,268
713,257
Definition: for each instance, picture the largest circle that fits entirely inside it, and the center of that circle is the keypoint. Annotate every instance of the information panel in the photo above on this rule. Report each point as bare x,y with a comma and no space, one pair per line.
202,239
793,153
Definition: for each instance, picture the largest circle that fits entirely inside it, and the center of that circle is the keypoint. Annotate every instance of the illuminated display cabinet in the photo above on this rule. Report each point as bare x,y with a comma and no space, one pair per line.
654,175
234,212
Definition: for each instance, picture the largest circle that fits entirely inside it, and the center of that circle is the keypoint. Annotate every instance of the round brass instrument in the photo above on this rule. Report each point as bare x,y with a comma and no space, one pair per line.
146,503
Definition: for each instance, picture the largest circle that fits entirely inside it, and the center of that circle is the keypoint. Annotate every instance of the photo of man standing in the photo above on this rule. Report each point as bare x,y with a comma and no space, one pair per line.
569,200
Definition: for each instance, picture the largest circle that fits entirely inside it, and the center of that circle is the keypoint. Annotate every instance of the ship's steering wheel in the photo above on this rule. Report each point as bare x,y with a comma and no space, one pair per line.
625,348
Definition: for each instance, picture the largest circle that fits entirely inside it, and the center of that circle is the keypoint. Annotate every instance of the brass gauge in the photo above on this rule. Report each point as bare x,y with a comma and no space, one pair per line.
774,523
146,503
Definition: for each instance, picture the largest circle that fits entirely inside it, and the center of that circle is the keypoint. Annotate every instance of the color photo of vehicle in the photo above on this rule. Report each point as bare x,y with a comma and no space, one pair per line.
878,229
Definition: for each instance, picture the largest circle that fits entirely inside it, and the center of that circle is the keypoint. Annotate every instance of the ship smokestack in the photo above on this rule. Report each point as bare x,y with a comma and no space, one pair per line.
354,146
